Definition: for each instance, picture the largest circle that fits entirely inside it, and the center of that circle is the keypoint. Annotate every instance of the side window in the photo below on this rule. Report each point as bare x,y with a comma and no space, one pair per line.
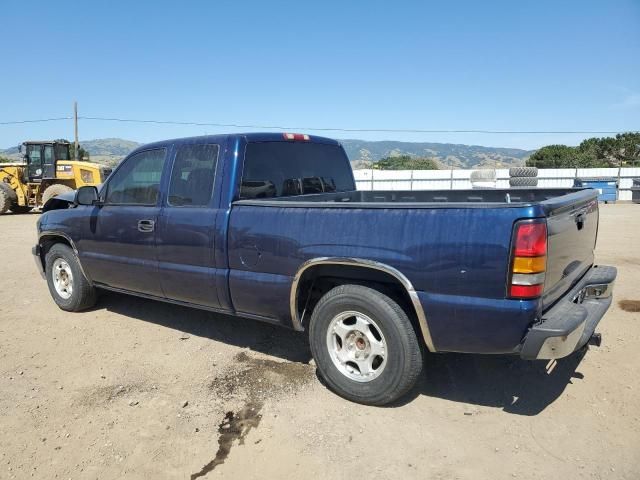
137,182
48,154
192,176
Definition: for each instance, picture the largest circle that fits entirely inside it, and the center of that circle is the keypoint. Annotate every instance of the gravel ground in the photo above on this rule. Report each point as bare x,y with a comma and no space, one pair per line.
140,389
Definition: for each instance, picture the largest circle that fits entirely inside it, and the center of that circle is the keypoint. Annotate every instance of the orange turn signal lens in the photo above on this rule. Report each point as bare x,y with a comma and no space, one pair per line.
529,264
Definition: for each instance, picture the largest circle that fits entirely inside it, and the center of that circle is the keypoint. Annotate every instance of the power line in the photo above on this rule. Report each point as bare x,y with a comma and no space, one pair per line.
364,130
40,120
321,129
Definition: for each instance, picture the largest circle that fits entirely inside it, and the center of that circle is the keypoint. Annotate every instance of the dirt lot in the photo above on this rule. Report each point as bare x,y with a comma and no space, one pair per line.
139,389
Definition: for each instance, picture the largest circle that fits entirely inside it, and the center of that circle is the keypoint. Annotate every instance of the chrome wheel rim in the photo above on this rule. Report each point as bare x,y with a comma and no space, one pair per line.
62,278
357,346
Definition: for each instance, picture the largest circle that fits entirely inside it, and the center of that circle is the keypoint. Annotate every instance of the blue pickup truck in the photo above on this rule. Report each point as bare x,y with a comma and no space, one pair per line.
271,226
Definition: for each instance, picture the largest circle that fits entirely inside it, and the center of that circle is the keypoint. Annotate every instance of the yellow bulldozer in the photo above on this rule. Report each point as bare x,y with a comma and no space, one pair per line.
47,171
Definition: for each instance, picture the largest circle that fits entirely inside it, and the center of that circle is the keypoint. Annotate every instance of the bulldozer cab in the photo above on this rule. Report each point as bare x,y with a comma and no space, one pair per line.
42,158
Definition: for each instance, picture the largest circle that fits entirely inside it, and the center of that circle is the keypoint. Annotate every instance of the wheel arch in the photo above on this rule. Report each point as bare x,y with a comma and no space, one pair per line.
354,270
46,240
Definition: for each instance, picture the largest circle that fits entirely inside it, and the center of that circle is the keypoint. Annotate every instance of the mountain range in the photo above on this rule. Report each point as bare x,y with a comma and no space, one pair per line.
362,153
449,155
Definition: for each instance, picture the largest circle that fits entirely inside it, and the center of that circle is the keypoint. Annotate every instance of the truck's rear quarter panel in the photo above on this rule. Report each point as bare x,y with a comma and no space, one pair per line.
456,258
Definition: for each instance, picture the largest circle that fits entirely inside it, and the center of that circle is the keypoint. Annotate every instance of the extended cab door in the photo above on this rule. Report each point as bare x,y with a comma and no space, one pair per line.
119,242
185,235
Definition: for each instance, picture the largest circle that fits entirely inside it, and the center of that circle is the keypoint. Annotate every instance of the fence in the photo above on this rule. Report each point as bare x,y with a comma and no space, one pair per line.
460,179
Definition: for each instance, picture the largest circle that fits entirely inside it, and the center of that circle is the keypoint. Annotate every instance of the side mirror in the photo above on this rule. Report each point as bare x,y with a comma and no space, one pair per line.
87,195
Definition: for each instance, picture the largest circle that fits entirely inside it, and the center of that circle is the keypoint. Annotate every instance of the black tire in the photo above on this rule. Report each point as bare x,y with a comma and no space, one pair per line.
53,191
83,295
7,197
523,181
403,352
523,172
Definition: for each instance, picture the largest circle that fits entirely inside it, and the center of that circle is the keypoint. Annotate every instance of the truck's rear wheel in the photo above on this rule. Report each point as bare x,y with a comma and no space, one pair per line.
53,191
67,284
364,345
7,197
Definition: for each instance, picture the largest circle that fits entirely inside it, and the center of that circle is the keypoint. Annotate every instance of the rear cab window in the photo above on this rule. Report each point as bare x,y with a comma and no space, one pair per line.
282,169
193,175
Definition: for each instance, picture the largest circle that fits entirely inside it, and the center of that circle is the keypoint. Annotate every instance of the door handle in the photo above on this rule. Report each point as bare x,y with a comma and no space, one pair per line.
146,226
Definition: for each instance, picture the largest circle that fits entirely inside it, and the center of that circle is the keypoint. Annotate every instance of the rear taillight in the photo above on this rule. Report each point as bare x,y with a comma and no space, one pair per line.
296,136
529,260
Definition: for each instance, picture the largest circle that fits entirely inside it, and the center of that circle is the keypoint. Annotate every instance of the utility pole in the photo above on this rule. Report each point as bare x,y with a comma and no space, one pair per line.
75,125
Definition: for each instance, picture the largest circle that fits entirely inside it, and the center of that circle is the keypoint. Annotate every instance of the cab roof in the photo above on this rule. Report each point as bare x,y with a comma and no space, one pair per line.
46,142
250,137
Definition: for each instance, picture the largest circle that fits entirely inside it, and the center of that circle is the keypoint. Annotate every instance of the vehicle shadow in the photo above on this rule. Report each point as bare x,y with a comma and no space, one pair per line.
242,332
518,387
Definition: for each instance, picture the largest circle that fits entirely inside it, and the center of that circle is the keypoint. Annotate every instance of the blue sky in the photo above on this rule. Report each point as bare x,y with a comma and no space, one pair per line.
512,65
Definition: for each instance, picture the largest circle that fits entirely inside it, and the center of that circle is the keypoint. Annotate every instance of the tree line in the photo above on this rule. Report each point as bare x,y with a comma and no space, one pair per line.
623,150
406,162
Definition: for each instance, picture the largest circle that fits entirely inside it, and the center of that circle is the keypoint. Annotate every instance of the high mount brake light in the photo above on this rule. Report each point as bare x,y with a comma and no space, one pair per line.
529,260
296,136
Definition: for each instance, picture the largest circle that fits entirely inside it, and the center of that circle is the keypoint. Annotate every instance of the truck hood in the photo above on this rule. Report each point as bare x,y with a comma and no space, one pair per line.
64,200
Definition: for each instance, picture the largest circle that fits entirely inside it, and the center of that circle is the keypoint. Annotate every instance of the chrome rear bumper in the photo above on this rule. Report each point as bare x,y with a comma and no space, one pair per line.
571,322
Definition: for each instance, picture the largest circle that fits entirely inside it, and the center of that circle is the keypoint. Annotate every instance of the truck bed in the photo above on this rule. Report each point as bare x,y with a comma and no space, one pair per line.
453,245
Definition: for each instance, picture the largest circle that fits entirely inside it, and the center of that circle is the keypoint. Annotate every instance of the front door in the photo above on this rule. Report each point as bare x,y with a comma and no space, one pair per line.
185,234
34,158
119,243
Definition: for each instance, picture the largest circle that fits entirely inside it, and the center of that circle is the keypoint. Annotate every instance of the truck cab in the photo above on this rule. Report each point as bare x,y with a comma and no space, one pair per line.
42,157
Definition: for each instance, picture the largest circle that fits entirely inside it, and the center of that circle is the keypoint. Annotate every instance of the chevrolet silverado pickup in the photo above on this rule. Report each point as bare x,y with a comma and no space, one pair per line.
271,227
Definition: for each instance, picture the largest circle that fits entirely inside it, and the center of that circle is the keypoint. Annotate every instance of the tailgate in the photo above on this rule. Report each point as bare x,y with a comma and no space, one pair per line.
572,226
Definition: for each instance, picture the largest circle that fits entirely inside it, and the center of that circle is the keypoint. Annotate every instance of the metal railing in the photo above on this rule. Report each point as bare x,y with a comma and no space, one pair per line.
460,179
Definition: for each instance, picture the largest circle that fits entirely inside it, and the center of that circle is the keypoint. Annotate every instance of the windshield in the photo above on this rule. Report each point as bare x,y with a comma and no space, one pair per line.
281,169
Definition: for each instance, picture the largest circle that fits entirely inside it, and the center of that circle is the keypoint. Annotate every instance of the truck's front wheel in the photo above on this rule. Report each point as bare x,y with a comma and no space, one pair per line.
364,345
68,286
